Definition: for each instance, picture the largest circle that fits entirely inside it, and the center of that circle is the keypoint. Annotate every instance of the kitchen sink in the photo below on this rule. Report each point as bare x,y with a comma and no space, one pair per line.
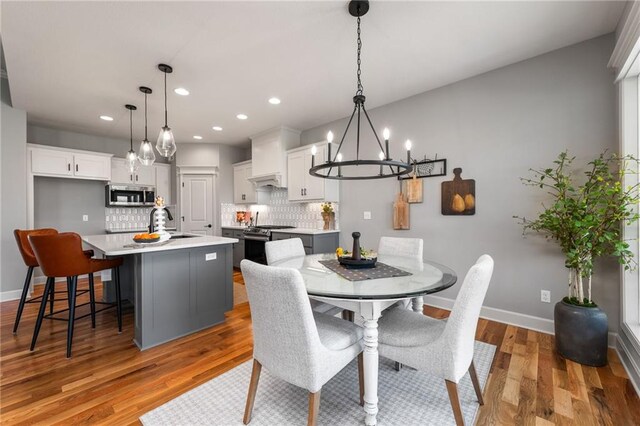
175,237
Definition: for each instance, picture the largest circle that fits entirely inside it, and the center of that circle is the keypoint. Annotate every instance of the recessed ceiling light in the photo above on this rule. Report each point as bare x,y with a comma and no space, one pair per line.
274,101
197,137
181,91
106,118
242,116
217,128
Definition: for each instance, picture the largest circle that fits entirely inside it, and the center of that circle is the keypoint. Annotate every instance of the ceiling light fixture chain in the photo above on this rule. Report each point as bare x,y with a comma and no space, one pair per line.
360,88
357,9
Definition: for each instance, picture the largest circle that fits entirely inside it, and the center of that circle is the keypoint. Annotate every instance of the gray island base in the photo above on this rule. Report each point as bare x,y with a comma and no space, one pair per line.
177,288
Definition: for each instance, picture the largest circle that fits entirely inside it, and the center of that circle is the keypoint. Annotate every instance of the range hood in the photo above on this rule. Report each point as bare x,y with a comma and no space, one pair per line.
268,180
269,156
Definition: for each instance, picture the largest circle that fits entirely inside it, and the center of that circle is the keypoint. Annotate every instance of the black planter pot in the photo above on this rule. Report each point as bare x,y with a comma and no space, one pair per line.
581,334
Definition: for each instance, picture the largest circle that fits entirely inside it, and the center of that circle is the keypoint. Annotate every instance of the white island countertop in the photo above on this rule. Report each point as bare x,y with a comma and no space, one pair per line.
123,244
307,231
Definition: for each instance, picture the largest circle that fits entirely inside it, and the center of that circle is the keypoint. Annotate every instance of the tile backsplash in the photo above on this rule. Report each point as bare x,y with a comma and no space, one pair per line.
279,211
125,218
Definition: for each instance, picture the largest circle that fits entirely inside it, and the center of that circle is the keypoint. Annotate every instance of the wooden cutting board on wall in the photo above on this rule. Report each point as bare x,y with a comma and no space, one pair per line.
459,196
400,212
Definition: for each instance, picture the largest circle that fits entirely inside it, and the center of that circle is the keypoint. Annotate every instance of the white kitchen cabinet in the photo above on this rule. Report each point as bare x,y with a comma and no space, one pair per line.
145,176
69,163
51,162
302,186
244,191
163,182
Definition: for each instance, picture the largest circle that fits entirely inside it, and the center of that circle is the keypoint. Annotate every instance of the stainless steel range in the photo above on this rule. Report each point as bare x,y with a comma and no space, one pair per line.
254,239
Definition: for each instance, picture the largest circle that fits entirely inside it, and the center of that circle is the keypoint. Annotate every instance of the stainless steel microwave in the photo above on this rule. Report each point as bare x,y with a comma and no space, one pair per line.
130,195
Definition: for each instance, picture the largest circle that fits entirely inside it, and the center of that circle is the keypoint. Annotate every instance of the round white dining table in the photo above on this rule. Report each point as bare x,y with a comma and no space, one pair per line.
369,298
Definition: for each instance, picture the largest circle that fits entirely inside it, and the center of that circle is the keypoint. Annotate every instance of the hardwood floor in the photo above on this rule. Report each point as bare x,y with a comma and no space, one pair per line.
109,381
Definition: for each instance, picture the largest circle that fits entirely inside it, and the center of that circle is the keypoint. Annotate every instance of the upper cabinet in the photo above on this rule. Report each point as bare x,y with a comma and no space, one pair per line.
244,191
145,175
163,182
304,187
61,162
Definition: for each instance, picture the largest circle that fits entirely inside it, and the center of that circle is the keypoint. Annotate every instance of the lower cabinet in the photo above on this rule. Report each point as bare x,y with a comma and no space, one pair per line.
313,243
238,248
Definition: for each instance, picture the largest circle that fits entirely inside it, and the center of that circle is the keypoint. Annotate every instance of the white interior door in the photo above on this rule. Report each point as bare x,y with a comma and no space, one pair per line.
197,204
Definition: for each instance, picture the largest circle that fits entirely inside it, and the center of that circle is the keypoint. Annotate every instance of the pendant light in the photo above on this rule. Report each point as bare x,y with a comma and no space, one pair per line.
132,157
376,168
146,155
166,144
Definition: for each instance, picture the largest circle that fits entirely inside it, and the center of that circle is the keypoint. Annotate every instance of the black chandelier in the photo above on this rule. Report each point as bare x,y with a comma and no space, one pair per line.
387,166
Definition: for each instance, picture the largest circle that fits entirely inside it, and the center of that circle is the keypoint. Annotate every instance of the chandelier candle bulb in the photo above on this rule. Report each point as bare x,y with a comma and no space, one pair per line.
330,140
314,151
407,145
385,135
381,157
339,159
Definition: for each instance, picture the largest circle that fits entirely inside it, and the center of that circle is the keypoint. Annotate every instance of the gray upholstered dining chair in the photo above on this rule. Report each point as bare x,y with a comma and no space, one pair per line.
280,250
410,249
292,342
443,348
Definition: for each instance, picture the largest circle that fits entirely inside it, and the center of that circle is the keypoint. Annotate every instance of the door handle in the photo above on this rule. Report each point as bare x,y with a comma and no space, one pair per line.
136,178
69,167
305,191
208,226
131,178
301,191
76,167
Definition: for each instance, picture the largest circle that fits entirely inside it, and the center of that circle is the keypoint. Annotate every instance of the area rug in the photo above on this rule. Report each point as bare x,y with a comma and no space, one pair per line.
407,397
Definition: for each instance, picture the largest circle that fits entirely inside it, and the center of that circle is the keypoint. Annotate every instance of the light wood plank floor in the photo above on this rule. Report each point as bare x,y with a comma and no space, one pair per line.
109,381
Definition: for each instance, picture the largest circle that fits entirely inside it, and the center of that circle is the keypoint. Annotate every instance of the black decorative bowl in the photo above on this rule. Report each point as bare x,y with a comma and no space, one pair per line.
350,263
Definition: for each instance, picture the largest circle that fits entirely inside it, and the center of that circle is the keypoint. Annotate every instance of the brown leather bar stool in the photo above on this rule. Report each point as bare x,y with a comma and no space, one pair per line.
22,238
61,256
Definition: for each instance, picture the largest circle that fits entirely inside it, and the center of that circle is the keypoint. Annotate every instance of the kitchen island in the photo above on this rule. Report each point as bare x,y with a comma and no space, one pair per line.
177,287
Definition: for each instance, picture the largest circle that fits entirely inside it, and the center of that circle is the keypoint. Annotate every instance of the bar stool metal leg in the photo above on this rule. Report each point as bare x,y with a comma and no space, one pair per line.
48,287
92,301
73,283
118,299
23,298
52,299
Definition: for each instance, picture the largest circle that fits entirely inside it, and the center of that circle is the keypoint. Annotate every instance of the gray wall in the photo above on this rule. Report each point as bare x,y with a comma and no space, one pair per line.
13,194
72,199
496,126
73,140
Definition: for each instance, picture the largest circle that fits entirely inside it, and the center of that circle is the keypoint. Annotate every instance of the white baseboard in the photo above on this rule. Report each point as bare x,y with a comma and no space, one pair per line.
542,325
6,296
632,369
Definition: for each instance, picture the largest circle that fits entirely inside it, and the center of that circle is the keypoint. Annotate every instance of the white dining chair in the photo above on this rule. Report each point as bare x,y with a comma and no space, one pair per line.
410,249
443,348
292,342
281,250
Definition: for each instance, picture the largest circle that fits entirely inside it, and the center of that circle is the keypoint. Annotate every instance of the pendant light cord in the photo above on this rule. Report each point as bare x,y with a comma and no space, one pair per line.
165,99
131,129
145,117
360,88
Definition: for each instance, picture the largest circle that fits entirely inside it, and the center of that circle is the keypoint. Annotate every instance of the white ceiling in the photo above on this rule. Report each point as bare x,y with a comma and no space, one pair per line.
69,62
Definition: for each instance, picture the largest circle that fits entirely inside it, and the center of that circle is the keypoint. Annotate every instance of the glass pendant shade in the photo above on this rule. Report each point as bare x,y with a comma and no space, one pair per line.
132,161
166,144
146,156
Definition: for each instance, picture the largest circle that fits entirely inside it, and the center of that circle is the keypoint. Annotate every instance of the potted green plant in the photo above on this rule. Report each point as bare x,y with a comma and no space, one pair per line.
328,215
585,216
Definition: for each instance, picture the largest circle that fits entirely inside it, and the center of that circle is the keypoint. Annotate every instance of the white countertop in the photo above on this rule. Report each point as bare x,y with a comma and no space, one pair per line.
236,227
122,244
308,231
